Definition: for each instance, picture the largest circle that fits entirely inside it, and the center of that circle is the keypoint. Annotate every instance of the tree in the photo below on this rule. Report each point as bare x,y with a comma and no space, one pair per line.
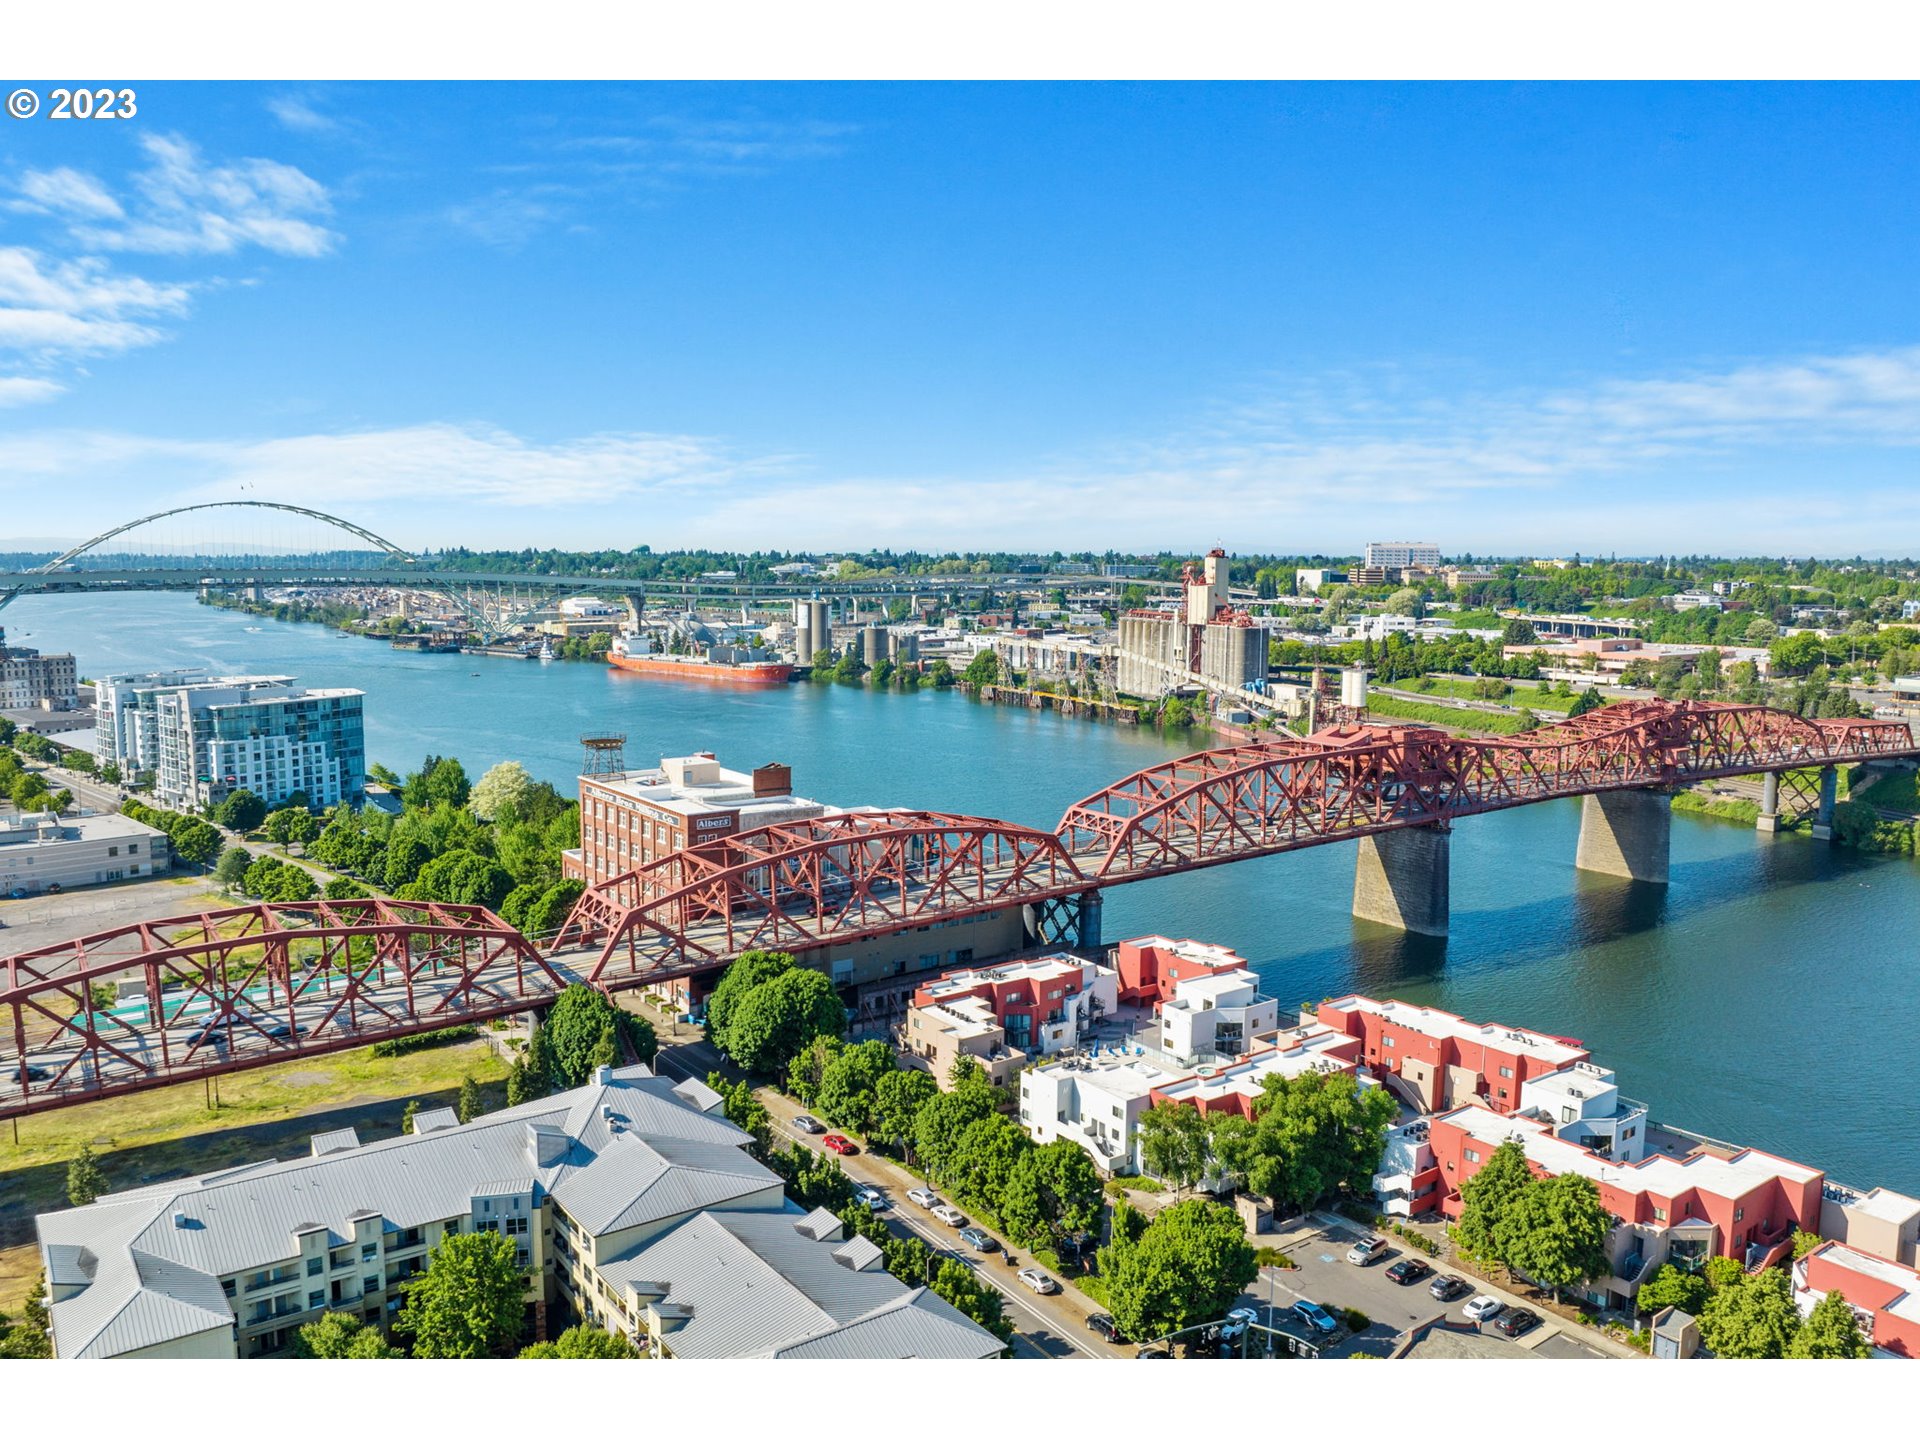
1555,1233
740,1105
405,855
1519,631
1054,1191
1672,1286
196,842
407,1116
582,1342
850,1085
1173,1144
1831,1331
780,1018
897,1098
573,1028
1805,1242
546,915
956,1285
471,1104
31,1338
746,974
232,869
1762,631
500,790
1588,699
1409,601
523,1084
1721,1272
439,781
339,1336
292,884
1188,1266
805,1070
463,877
983,669
241,811
470,1301
943,1120
1315,1134
1751,1319
85,1183
981,1165
1487,1198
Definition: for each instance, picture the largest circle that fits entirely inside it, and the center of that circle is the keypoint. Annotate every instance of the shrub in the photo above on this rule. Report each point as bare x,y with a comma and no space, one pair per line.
426,1040
1357,1320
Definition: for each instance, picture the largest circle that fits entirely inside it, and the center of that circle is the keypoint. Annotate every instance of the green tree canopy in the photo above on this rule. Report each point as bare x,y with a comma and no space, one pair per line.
1672,1286
1489,1195
1555,1232
1752,1318
1173,1144
746,974
780,1018
339,1336
469,1303
582,1342
1316,1134
241,811
805,1070
1187,1267
942,1120
573,1028
1054,1190
1831,1331
850,1086
232,870
471,1104
897,1098
85,1183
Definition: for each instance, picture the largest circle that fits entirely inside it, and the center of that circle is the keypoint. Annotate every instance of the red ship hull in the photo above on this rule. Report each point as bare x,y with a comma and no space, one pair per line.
704,672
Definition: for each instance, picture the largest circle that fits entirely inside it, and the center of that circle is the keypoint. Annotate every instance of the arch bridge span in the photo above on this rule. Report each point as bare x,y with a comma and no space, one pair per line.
261,984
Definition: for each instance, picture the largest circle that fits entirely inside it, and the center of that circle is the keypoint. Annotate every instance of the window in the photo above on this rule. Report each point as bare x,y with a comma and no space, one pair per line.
1566,1115
1658,1213
370,1251
1472,1157
315,1264
1506,1073
316,1298
1388,1041
1739,1213
516,1225
370,1285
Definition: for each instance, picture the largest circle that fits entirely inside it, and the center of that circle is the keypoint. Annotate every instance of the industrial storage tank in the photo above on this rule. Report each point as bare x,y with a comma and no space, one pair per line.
905,648
1353,687
873,644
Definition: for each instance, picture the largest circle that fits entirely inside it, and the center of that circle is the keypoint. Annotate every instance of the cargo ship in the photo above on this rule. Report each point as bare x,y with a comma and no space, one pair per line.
711,665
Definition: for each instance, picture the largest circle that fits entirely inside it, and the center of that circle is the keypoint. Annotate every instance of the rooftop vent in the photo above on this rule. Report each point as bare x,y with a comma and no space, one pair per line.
180,1221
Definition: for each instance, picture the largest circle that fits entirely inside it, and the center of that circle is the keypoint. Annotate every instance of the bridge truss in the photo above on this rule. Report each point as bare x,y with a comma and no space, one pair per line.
278,981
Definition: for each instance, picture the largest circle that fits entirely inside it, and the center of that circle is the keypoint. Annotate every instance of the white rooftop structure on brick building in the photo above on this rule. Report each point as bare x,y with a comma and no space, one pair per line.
1441,1025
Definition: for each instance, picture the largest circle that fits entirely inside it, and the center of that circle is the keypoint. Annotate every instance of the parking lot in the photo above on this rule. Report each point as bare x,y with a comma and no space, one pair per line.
1325,1277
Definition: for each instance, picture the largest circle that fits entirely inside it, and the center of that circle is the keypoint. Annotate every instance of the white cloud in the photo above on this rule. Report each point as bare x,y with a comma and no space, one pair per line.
298,114
78,307
67,192
192,207
18,390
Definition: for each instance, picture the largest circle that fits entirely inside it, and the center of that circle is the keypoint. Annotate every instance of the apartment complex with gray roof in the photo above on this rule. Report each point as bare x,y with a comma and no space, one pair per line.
634,1204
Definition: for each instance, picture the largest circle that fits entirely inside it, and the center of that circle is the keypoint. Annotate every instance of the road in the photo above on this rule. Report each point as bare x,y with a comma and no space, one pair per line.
1047,1327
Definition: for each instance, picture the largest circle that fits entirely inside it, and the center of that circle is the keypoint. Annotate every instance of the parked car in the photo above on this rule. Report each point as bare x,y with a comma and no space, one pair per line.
979,1239
1481,1307
30,1074
1448,1287
808,1124
1314,1317
1237,1321
1105,1327
840,1145
923,1197
868,1196
948,1215
1365,1252
1408,1271
1040,1282
1515,1321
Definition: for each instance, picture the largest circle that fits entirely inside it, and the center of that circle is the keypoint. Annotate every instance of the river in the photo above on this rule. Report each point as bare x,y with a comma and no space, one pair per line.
1763,996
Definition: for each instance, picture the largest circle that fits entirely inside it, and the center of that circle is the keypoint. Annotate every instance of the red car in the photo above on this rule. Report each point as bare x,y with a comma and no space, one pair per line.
840,1145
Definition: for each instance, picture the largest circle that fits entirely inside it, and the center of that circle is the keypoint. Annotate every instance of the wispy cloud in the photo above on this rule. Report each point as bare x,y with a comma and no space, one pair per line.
53,309
17,390
583,174
68,193
300,114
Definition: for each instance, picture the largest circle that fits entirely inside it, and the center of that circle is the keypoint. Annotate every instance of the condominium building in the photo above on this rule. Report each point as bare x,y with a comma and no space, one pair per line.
1884,1295
202,738
1399,554
1004,1014
44,852
632,1203
32,681
1435,1061
1094,1102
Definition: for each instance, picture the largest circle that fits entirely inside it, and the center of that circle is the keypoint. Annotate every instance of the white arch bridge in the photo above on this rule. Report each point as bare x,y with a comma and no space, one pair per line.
493,603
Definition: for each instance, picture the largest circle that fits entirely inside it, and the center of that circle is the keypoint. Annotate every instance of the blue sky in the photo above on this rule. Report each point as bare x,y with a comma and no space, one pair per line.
1509,318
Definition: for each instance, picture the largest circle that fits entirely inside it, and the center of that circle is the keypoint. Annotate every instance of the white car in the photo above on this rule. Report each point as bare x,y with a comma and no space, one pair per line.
923,1197
1039,1281
1365,1252
868,1196
947,1215
1237,1321
1481,1307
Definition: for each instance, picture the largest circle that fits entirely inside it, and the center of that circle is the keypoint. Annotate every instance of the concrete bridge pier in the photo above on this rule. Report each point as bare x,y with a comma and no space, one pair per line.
1829,790
1769,820
1090,904
1626,833
1400,878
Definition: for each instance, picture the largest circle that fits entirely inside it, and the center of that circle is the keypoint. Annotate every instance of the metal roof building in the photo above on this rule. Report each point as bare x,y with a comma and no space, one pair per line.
627,1178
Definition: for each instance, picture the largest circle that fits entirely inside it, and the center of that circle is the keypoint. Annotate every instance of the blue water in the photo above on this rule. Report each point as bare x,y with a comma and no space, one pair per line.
1765,996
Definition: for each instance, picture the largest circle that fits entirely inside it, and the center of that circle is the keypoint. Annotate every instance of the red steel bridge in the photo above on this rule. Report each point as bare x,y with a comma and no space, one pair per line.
255,985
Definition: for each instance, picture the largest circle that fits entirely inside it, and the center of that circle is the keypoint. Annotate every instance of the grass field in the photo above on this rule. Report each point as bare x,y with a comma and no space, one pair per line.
1485,722
1718,807
169,1133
